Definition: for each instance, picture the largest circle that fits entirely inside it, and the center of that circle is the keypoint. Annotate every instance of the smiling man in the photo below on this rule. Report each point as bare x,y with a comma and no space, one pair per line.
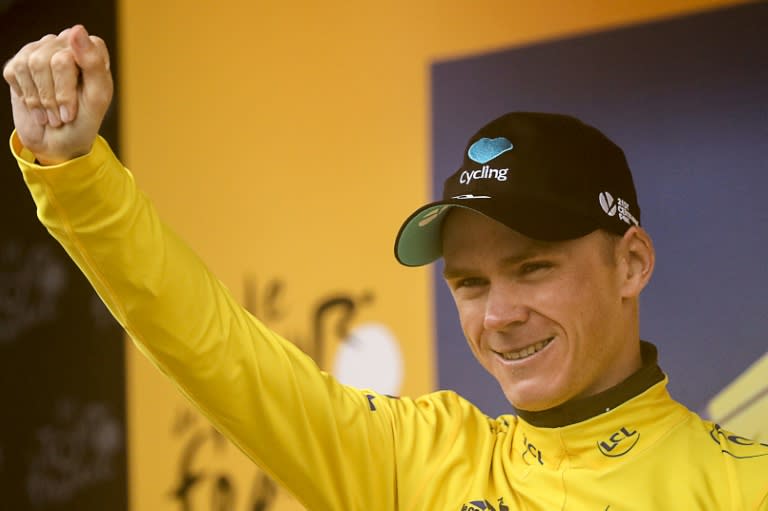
548,320
545,257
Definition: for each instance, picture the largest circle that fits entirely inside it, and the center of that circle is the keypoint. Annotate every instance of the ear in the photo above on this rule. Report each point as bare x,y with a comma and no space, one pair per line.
637,258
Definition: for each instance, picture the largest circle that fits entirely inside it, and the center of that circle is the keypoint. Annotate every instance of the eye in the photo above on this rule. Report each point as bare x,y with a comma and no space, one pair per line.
471,282
468,282
534,266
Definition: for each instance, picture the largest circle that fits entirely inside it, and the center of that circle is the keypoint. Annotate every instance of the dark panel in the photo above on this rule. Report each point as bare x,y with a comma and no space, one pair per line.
62,432
686,99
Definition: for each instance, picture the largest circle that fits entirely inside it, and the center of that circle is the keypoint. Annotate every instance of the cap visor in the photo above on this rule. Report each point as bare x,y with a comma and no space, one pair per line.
419,240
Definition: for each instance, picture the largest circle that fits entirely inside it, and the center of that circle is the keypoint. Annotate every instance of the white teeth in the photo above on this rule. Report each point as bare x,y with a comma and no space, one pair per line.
527,351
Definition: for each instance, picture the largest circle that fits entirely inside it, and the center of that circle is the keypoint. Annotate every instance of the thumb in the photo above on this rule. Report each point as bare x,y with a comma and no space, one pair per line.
91,56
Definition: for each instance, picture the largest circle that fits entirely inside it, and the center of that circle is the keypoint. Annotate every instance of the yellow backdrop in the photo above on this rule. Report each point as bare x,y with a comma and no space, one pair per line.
303,135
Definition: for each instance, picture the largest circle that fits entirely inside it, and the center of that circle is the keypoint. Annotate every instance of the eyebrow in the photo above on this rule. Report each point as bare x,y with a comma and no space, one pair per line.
454,273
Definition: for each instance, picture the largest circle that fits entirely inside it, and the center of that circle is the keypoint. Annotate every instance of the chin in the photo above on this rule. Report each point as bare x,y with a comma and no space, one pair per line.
535,399
532,405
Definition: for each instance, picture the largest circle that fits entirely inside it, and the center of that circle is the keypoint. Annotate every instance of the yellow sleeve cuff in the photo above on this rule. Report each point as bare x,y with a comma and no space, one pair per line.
26,159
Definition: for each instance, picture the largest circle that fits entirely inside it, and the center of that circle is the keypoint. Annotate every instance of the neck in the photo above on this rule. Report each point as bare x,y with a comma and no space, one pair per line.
581,409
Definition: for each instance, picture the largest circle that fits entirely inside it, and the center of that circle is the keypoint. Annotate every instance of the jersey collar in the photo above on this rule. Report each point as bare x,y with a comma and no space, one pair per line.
579,410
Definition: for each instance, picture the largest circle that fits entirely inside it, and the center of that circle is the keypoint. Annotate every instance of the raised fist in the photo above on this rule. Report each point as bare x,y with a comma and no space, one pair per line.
61,87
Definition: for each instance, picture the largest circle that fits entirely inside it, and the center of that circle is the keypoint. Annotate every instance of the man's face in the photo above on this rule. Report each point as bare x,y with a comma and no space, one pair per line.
546,319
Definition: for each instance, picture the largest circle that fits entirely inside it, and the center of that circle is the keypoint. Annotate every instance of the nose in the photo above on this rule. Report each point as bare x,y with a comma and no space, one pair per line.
504,307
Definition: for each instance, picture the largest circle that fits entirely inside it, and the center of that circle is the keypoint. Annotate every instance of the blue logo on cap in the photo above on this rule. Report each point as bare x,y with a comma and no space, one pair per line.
486,149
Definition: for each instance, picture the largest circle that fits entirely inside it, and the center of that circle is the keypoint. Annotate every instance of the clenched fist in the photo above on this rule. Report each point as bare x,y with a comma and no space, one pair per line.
61,87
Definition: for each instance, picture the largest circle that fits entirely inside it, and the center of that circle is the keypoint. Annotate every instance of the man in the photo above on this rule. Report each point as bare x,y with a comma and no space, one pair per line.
545,256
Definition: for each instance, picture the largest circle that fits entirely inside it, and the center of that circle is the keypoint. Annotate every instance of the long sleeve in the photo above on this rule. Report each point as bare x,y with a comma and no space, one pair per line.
324,441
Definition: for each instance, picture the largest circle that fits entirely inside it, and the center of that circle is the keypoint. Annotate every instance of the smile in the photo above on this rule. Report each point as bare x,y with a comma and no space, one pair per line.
525,352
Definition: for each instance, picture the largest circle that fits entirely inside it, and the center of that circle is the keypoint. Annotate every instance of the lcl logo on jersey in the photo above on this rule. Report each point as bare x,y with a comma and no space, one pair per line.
484,505
619,443
531,454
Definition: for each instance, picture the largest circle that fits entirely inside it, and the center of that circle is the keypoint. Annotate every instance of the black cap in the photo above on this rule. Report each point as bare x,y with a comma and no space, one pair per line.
550,177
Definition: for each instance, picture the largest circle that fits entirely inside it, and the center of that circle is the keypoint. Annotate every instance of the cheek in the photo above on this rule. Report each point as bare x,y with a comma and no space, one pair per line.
471,320
588,318
572,305
560,300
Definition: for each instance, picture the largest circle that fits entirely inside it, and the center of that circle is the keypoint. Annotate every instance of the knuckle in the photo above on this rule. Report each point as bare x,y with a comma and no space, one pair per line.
64,94
8,73
101,46
17,67
47,99
28,48
61,61
38,61
98,41
32,102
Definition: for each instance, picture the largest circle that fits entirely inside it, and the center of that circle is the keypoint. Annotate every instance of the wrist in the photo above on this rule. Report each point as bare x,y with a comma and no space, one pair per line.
47,161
